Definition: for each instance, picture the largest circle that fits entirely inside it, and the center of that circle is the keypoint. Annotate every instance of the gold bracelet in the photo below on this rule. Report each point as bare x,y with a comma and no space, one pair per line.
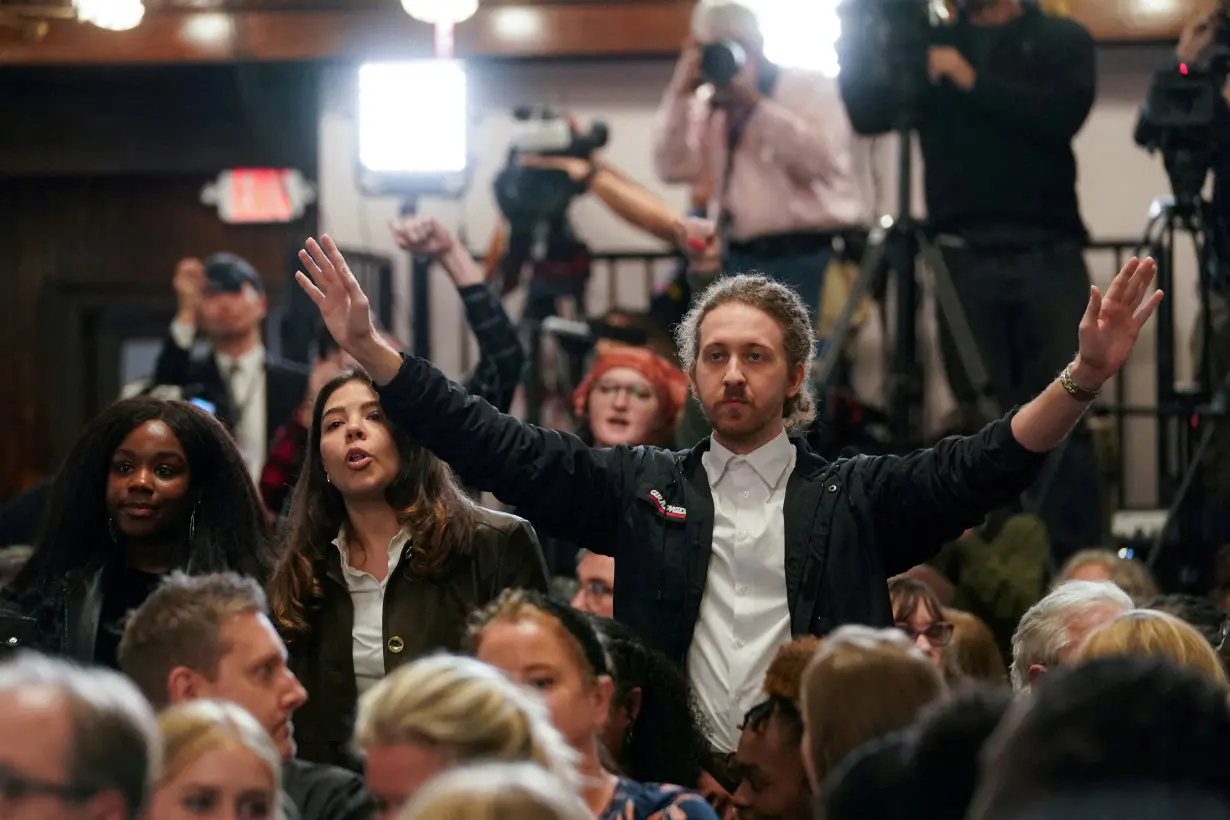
1075,390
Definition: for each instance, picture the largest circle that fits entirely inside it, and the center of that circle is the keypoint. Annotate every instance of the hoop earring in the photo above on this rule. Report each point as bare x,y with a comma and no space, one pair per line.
192,526
111,529
328,479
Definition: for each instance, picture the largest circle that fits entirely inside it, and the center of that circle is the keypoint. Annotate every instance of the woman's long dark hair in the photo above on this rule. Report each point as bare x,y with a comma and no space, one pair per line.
229,531
429,504
666,742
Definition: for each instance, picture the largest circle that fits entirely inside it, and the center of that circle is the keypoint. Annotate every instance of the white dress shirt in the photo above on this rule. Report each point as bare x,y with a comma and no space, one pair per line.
744,614
244,377
367,596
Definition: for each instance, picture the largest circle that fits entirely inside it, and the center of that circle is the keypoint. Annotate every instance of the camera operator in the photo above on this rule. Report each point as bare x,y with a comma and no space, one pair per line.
1010,88
776,140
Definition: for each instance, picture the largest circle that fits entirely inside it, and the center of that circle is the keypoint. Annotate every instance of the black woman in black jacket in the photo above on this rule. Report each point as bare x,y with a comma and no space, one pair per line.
150,486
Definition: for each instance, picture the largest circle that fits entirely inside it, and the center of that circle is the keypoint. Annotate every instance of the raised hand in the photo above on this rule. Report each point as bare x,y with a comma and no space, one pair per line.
1112,322
332,287
700,242
190,284
422,235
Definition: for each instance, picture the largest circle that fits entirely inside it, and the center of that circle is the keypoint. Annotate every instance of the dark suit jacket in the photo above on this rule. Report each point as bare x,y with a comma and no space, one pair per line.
285,383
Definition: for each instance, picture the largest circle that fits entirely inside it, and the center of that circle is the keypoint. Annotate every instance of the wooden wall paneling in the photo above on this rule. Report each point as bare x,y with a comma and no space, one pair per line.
100,175
640,28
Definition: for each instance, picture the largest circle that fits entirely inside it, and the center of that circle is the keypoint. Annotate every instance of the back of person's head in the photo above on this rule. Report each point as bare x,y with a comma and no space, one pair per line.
946,748
783,683
1198,612
1110,723
714,20
496,792
1054,627
862,684
466,708
1145,632
871,782
655,733
1136,803
973,652
180,625
196,728
114,747
1133,577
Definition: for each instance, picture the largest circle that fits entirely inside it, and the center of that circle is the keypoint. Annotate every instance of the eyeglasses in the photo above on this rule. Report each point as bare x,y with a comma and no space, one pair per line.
635,391
938,633
17,788
596,588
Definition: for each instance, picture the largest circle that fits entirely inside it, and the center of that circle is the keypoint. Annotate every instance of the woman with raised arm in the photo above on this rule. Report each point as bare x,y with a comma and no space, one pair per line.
384,557
150,486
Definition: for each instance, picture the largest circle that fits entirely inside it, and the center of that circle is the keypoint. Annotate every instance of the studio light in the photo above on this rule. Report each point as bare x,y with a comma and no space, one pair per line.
413,124
114,15
800,35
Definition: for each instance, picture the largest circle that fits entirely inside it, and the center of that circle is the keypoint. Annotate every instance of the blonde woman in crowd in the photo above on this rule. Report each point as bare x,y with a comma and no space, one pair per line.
1133,577
445,711
972,651
218,763
1158,634
862,684
516,791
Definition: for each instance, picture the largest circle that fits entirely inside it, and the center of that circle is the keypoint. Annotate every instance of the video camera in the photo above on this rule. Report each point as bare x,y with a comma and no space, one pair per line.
1179,118
883,55
529,195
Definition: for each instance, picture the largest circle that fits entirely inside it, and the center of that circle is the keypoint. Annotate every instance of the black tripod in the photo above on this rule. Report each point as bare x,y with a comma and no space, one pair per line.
893,250
1168,218
1216,410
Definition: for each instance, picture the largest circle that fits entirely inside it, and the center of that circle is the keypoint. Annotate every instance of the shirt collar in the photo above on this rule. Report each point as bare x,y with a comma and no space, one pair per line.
244,362
771,461
395,546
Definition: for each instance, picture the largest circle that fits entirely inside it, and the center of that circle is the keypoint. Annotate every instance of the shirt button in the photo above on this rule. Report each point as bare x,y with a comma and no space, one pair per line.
739,643
396,644
747,493
743,534
742,590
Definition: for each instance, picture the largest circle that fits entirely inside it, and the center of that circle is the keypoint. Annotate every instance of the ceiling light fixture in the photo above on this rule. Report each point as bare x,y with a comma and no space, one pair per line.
444,15
113,15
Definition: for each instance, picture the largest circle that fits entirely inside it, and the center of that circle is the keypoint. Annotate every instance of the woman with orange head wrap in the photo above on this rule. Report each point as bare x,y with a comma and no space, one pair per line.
631,396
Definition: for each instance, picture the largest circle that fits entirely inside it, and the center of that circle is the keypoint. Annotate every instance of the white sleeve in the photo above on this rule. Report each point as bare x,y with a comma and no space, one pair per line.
183,335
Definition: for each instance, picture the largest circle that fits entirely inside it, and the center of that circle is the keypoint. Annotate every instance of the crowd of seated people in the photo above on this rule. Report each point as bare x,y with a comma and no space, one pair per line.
363,591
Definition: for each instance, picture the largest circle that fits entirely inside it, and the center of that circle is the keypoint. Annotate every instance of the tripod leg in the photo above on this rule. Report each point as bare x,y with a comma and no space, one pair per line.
1185,486
873,263
949,301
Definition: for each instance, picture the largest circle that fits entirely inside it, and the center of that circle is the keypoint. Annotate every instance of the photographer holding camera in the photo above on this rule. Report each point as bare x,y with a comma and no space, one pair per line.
777,142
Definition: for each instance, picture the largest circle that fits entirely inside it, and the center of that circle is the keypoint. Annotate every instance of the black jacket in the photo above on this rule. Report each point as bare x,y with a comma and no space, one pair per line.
421,616
849,524
286,383
1000,155
326,792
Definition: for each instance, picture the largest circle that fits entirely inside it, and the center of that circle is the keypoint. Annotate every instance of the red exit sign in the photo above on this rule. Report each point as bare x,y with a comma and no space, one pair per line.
259,195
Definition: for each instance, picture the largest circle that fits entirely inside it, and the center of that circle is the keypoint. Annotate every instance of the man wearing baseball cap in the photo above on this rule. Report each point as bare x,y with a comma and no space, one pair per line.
222,302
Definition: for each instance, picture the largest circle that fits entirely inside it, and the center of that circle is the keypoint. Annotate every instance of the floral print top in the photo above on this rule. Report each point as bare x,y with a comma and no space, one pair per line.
655,801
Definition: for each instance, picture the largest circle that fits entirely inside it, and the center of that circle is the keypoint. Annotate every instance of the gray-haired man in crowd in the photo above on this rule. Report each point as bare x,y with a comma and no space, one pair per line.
74,743
1054,627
